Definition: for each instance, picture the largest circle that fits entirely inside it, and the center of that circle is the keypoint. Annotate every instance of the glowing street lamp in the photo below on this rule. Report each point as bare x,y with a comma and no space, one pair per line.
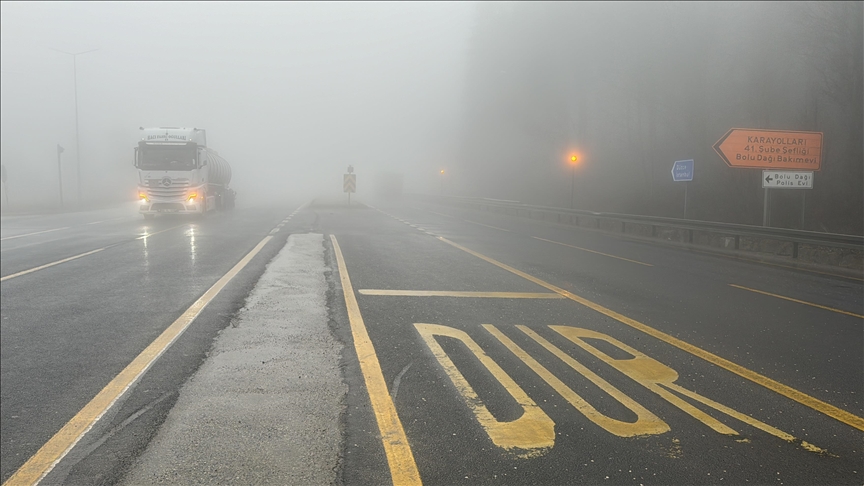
442,181
574,161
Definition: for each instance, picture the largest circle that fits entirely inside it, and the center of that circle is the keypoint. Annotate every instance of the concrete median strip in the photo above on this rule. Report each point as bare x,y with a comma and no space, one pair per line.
265,406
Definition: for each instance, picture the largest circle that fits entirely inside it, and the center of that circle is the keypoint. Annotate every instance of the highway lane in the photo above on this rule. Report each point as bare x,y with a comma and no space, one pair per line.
681,283
503,348
501,390
70,328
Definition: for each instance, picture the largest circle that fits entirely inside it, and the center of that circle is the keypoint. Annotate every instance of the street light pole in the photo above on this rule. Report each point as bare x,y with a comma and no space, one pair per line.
573,160
77,143
60,173
442,182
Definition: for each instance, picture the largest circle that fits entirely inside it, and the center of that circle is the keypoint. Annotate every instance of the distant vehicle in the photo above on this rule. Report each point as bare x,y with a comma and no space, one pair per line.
179,174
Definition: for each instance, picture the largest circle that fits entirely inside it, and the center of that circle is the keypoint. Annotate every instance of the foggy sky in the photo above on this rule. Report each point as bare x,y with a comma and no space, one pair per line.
289,93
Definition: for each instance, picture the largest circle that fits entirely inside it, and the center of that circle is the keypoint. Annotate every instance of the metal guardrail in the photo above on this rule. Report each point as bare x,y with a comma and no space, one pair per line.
658,224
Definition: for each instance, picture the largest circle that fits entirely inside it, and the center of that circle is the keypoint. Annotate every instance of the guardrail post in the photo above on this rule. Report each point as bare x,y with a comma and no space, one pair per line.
794,249
653,231
689,236
623,226
737,242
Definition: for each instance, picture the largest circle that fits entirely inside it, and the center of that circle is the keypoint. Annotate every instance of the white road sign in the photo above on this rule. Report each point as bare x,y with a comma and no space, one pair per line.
787,179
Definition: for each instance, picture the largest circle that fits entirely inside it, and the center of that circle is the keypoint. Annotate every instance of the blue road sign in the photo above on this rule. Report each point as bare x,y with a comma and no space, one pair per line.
682,170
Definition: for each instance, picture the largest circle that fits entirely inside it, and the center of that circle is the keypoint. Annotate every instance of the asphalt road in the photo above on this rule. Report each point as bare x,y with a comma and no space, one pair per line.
500,350
489,392
70,328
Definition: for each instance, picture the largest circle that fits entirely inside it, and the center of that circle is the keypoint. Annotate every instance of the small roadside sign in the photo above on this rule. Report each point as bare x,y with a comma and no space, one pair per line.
682,170
349,183
787,179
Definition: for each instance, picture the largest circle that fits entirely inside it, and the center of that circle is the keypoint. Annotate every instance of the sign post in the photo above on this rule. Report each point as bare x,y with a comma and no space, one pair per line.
774,150
349,183
785,179
682,171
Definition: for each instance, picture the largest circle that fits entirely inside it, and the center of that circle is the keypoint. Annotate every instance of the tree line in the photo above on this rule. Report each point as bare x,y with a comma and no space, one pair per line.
632,87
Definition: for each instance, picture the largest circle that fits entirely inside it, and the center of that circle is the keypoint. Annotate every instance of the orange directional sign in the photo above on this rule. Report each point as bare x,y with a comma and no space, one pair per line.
771,149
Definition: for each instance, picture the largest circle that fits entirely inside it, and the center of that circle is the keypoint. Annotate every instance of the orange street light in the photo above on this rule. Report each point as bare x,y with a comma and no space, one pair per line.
574,161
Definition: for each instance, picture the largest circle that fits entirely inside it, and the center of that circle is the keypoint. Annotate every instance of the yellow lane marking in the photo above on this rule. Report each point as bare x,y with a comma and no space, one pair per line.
798,301
403,469
447,293
753,260
592,251
487,225
33,234
533,430
58,262
646,422
41,463
788,392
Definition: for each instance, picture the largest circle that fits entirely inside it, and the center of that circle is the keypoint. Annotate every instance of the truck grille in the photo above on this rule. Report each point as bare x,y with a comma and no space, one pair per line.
174,189
167,206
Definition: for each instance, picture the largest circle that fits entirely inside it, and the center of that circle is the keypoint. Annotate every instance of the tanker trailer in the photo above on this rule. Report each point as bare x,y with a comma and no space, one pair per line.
179,174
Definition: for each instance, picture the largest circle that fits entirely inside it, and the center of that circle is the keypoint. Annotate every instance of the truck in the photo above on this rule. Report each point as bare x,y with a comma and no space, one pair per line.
179,174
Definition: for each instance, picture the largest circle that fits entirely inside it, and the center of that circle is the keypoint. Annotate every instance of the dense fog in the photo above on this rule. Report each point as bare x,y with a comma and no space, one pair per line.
289,93
498,96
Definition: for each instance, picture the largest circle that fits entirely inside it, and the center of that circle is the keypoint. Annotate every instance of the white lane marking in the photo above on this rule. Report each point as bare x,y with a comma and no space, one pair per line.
58,262
34,234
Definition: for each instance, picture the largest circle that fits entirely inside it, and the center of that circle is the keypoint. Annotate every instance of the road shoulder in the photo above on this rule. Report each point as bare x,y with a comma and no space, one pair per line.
264,407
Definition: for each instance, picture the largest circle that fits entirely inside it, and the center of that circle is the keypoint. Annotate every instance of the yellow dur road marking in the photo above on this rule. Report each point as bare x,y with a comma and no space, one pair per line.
787,391
41,463
487,225
646,422
658,377
533,430
799,301
403,469
447,293
58,262
33,234
592,251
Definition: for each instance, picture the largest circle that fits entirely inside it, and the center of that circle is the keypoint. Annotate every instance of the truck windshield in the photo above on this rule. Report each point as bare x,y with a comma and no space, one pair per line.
167,157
